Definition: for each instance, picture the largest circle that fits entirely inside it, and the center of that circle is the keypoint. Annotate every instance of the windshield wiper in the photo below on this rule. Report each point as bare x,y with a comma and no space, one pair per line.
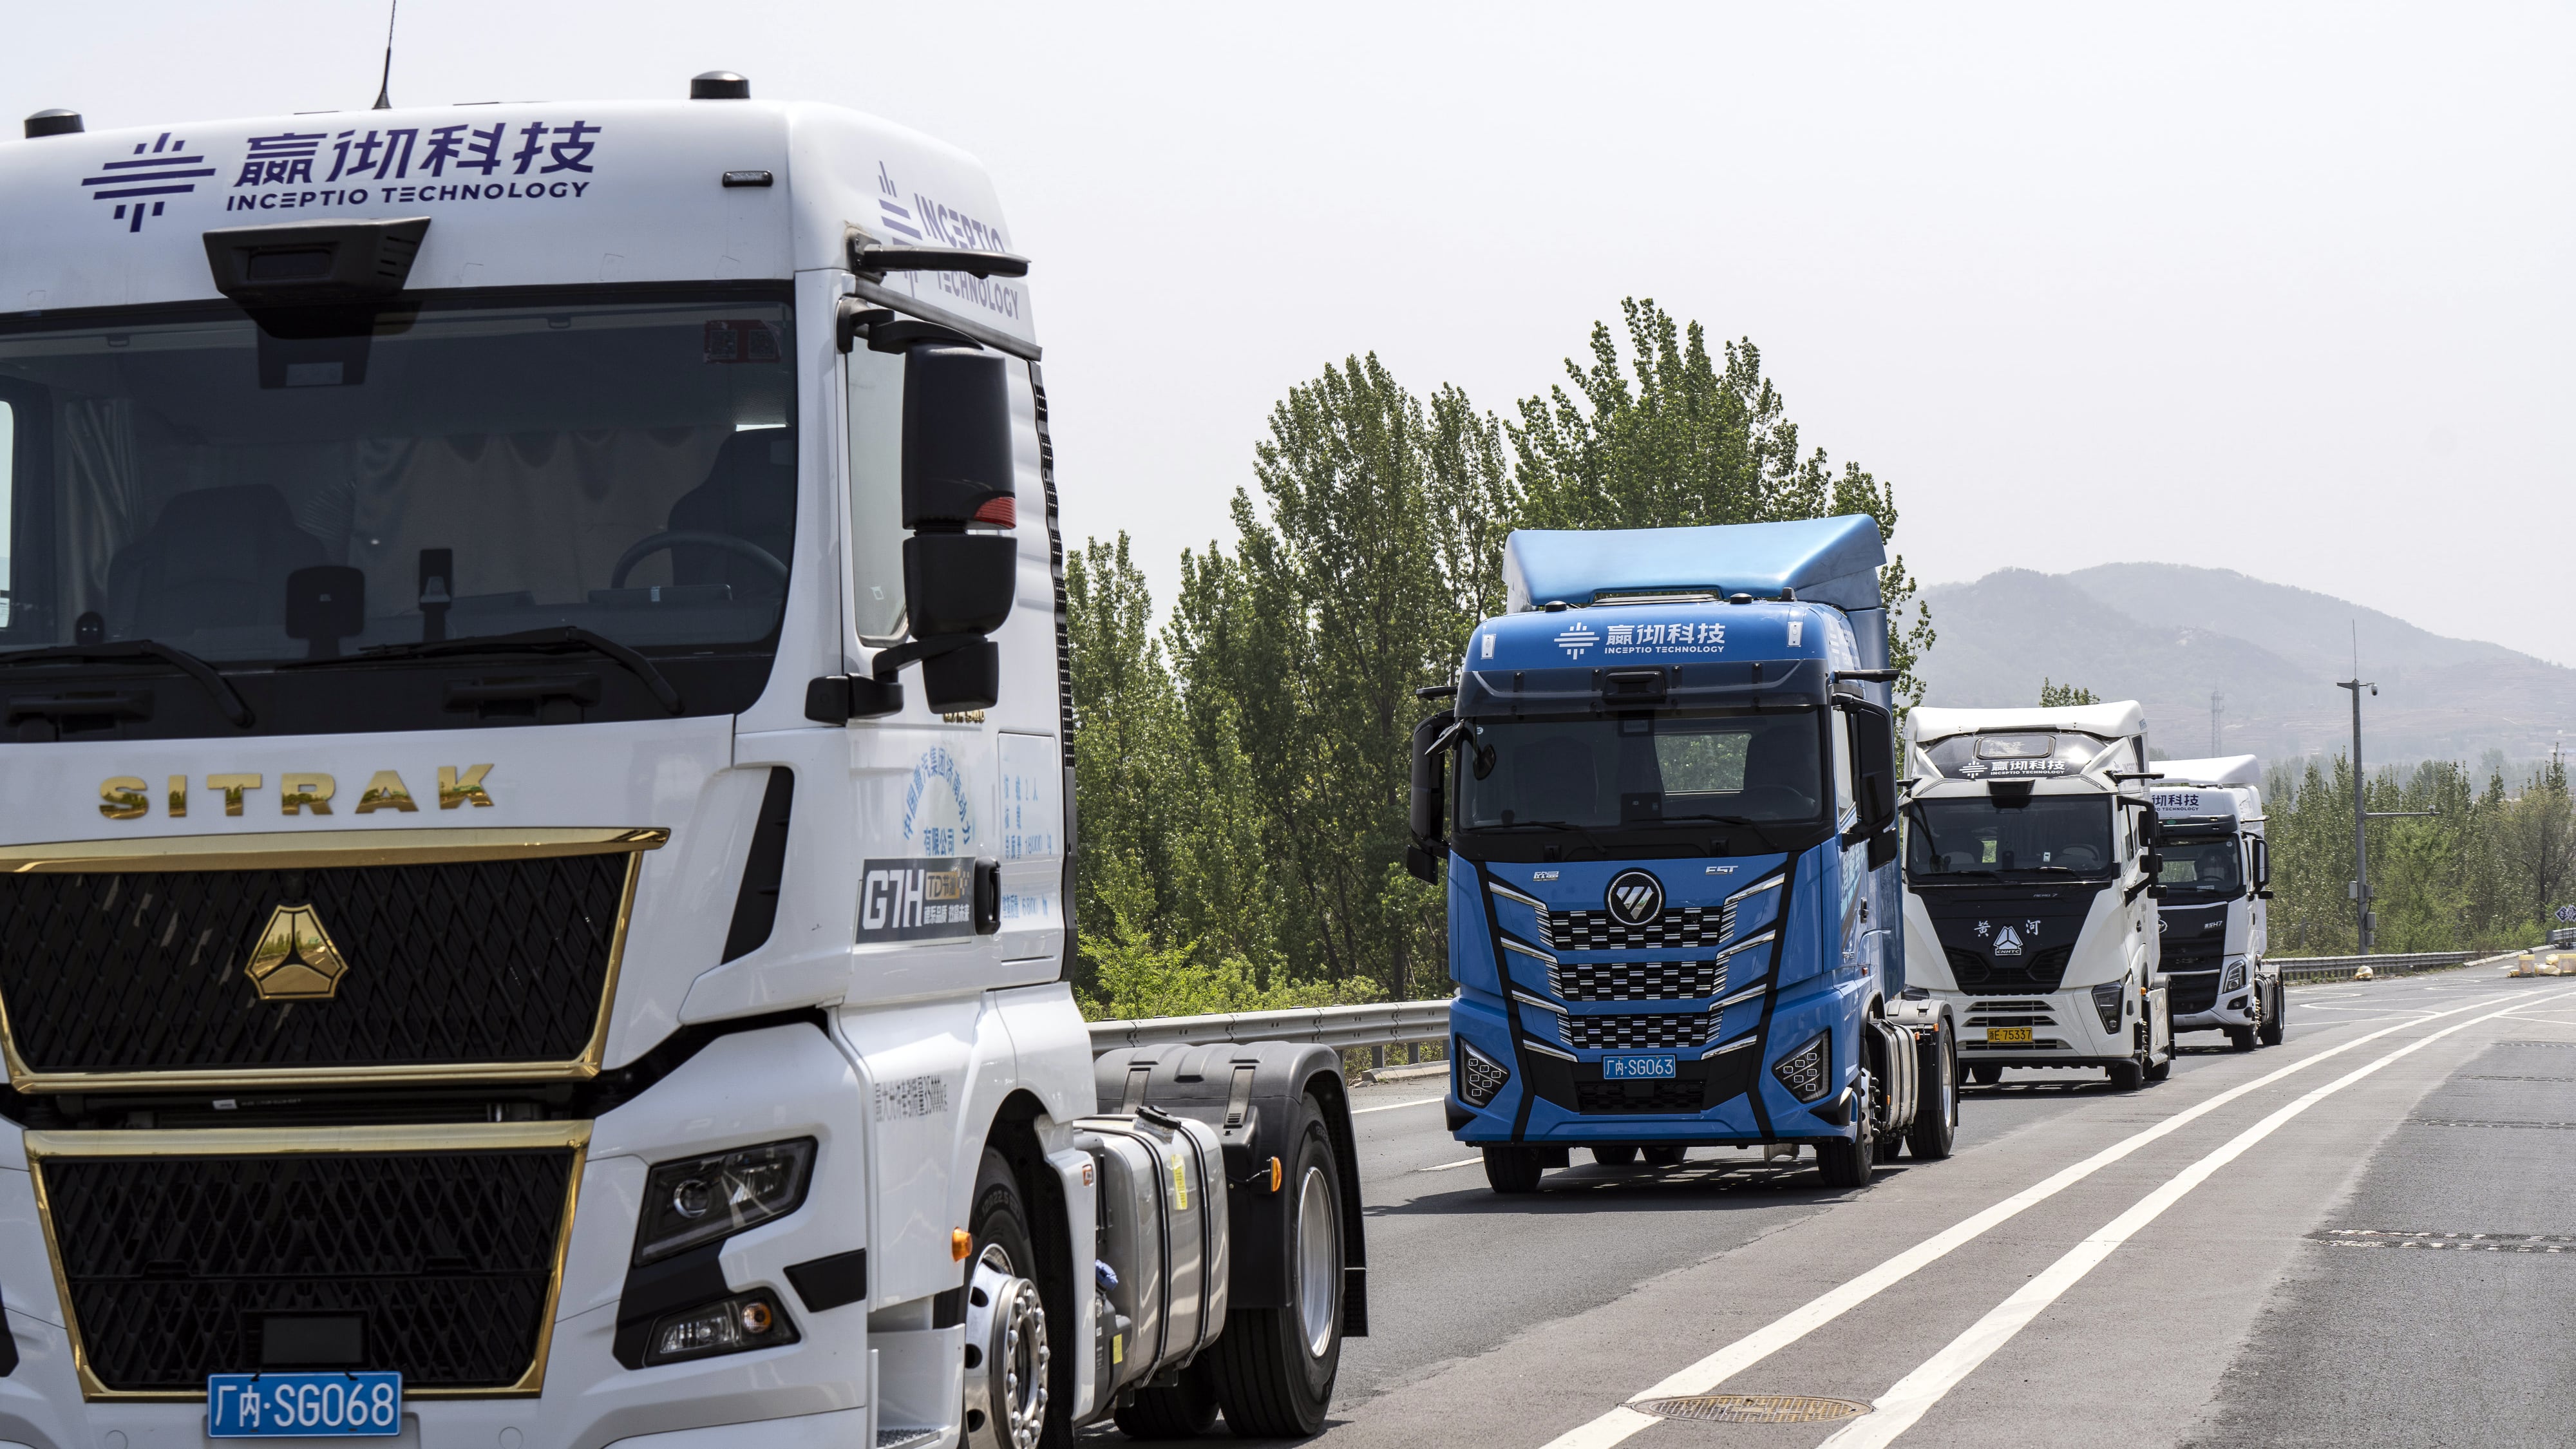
534,641
1528,825
229,698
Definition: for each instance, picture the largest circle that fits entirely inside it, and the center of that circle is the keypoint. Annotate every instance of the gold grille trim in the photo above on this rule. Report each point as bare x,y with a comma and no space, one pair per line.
287,1141
308,850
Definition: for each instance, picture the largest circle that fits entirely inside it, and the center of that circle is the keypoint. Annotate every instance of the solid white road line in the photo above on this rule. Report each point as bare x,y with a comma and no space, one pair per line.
1445,1166
1902,1406
1391,1106
1707,1374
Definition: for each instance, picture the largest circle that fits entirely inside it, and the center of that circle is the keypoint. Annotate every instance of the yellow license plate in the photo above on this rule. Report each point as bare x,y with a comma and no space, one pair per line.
2007,1036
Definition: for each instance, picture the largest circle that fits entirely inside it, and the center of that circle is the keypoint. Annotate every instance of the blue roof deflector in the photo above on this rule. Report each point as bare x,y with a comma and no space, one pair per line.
1827,560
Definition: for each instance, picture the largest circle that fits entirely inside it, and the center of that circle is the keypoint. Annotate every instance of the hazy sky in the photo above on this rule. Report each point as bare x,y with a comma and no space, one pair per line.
2279,289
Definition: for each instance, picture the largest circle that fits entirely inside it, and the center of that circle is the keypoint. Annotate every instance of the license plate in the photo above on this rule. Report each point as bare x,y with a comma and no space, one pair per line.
2008,1036
1617,1069
303,1406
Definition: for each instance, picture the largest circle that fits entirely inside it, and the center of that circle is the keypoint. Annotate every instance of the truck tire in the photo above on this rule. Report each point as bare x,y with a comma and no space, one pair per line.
1614,1156
1273,1368
2241,1038
1936,1116
999,1219
1666,1156
1849,1162
2128,1076
1985,1075
2272,1019
1511,1167
1184,1411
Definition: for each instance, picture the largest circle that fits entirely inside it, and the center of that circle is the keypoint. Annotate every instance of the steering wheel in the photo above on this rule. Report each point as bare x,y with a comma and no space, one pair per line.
651,544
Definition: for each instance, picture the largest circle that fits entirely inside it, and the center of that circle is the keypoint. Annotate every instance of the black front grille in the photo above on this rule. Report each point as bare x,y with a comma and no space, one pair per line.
1658,1029
1597,931
475,961
2190,995
1676,1097
173,1262
1637,980
2009,975
2191,955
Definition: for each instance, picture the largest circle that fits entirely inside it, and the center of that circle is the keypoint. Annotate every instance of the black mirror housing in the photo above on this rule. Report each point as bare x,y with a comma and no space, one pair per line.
1419,864
324,605
956,435
1874,761
1882,848
959,583
1430,806
966,678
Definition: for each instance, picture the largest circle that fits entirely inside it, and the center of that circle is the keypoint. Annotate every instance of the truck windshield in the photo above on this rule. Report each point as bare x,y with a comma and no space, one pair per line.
2207,866
1595,774
618,460
1979,836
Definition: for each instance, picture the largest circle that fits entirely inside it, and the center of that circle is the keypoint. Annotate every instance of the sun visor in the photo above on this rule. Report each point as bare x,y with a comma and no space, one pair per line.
1771,684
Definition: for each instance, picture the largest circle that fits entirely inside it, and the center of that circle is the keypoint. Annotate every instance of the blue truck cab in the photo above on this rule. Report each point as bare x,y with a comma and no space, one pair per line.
1665,792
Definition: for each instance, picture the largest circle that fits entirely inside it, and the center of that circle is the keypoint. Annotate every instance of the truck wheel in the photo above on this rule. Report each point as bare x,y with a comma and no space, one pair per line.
1511,1167
1014,1411
1849,1162
1984,1075
2128,1076
1184,1411
1273,1369
2272,1022
1614,1156
2241,1038
1666,1156
1936,1117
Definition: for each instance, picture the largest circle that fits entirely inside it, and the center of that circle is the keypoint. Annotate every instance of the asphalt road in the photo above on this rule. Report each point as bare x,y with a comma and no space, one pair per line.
2364,1236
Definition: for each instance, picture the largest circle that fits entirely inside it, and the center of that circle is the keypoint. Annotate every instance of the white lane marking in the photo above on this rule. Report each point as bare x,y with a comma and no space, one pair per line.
1461,1162
1705,1375
1391,1106
1902,1406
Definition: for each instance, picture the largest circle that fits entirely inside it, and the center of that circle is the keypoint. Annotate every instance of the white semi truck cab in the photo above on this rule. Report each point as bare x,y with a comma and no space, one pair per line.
2217,878
534,897
2030,880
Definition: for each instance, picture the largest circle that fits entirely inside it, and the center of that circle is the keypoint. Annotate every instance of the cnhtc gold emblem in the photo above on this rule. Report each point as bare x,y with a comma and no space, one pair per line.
295,960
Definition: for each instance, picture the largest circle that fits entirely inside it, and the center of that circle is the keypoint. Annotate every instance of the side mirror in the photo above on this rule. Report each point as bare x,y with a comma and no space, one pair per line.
957,475
1873,763
1882,847
1430,795
2262,868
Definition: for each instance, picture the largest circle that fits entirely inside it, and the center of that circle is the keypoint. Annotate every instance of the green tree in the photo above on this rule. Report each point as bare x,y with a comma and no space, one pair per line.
1690,442
2059,696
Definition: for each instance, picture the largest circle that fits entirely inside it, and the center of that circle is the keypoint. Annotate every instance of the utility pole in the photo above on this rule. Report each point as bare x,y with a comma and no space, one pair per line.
2214,698
2360,814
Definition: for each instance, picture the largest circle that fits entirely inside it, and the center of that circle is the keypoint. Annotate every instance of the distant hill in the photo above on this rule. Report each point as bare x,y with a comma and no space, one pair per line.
2168,635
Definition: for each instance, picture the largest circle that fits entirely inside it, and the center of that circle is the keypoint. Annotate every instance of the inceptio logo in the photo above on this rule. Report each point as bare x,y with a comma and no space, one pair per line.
1635,897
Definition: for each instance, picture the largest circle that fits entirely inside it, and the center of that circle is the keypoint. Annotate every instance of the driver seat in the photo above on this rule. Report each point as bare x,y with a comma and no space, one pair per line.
214,558
749,494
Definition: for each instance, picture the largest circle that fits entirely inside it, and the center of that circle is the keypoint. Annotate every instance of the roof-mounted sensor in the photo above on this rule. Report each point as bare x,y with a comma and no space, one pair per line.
314,263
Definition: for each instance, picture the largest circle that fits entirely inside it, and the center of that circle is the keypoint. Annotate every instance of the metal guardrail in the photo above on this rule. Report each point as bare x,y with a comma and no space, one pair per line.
2341,968
1383,1024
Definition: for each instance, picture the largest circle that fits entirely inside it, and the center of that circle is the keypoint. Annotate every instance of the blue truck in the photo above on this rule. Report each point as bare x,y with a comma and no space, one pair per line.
1665,794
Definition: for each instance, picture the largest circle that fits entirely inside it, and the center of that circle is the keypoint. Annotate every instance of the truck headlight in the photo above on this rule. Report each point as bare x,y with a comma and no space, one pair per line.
1480,1077
701,1199
2107,1001
737,1324
1803,1071
2235,977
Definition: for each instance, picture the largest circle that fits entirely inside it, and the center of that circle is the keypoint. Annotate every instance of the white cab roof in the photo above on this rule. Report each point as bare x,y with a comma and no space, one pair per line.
536,194
2120,720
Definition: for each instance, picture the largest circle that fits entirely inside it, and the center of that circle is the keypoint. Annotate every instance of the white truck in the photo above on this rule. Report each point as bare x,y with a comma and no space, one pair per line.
533,902
2217,877
2030,880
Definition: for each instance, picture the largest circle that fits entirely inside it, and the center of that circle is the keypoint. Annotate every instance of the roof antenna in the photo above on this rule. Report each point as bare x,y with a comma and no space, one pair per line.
384,89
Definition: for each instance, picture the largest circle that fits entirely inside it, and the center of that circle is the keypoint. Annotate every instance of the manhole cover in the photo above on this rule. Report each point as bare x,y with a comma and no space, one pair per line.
1755,1408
